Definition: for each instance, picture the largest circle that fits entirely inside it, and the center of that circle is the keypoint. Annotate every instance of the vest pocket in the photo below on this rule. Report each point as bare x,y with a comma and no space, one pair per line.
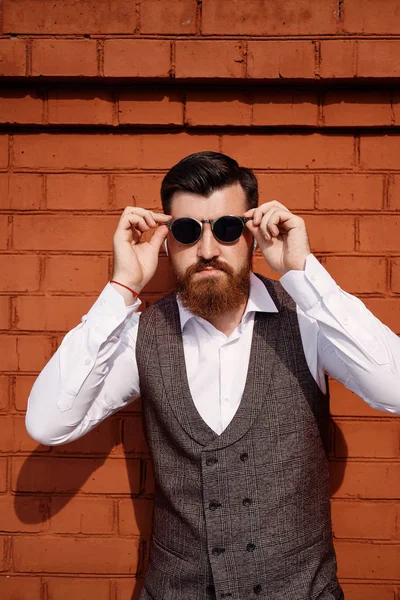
164,548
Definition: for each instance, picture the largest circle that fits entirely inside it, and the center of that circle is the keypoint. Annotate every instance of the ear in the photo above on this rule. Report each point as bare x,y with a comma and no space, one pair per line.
166,246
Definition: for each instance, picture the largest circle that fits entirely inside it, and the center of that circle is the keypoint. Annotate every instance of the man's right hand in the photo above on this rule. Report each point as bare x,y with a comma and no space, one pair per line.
135,261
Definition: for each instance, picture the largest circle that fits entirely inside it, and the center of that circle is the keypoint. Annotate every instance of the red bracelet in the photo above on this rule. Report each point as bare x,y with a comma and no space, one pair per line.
125,286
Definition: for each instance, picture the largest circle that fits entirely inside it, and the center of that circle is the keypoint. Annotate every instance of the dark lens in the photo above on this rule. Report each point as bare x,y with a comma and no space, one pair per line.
186,230
228,229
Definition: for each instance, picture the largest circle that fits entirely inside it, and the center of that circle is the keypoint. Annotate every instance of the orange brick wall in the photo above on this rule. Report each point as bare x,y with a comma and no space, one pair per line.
98,100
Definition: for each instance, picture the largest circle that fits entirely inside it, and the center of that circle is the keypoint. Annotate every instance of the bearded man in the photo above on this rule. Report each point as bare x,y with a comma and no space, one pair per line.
232,371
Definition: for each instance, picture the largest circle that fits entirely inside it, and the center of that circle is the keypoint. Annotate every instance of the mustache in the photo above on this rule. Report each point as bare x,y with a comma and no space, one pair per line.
213,262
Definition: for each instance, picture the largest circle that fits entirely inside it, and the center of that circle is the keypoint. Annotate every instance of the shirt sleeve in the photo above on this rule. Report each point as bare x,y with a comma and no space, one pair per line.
92,374
352,345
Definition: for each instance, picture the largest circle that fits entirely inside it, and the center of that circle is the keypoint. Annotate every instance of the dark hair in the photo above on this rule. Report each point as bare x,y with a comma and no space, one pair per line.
204,172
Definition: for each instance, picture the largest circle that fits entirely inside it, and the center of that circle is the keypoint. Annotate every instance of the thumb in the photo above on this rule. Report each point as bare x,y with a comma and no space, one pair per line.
158,237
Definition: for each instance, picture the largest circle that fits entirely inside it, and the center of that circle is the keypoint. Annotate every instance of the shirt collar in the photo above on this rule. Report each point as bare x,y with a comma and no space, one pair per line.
259,301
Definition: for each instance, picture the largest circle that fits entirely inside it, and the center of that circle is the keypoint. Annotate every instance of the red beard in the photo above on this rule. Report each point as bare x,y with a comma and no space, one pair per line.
209,297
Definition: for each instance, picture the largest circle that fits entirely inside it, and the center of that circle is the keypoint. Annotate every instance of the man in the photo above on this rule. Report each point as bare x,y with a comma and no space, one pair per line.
233,380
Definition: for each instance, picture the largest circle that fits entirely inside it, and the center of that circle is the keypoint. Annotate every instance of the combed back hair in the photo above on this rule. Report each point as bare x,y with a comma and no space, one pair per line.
203,173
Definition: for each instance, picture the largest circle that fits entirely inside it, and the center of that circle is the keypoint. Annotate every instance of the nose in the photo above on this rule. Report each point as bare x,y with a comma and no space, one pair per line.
208,246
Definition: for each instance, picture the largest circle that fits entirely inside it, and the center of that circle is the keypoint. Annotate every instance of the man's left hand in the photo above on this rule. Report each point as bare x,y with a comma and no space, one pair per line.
281,236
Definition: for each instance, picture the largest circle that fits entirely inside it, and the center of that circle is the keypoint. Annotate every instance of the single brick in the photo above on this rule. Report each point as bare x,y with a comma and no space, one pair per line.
8,349
364,520
81,515
68,16
25,192
48,232
285,108
367,439
293,190
20,588
3,150
379,234
81,107
5,391
352,109
73,191
72,475
367,480
380,152
357,275
149,107
5,313
77,151
331,233
293,17
20,273
337,59
136,58
20,514
75,273
18,106
22,388
396,276
78,588
281,60
396,107
197,59
135,517
368,16
4,231
378,58
168,16
75,554
286,151
373,560
3,475
34,351
138,190
218,108
12,57
350,192
57,57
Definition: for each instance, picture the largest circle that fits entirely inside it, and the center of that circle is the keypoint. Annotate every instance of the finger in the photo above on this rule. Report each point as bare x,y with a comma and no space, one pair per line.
158,237
260,211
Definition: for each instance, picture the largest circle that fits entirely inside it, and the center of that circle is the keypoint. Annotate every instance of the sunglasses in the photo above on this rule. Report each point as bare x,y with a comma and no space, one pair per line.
226,229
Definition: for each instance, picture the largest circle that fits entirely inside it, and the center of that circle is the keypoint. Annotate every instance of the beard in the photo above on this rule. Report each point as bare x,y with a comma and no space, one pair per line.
209,297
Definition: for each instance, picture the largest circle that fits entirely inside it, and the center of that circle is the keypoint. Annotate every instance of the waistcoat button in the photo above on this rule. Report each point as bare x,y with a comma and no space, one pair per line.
246,501
211,461
217,551
250,547
257,589
244,457
214,505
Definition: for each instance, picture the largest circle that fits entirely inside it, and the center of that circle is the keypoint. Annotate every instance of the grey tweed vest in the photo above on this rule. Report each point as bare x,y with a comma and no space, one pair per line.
243,515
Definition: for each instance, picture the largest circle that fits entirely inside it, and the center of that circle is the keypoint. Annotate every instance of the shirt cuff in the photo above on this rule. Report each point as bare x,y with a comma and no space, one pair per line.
309,286
110,310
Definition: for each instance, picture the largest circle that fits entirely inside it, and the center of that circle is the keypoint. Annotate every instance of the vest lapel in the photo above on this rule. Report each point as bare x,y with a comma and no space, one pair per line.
176,385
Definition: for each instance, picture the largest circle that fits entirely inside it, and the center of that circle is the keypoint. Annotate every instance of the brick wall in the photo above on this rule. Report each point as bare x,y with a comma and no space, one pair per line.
98,100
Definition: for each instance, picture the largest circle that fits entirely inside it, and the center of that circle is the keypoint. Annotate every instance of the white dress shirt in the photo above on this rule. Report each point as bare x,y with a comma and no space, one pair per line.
94,372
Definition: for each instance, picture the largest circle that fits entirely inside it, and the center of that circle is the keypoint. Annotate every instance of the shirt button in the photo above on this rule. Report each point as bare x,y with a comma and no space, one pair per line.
211,461
313,278
214,505
244,457
345,321
87,362
226,398
257,589
250,547
246,501
217,551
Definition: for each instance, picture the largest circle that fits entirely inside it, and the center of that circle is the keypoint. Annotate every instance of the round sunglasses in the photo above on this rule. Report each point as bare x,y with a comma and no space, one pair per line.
226,229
